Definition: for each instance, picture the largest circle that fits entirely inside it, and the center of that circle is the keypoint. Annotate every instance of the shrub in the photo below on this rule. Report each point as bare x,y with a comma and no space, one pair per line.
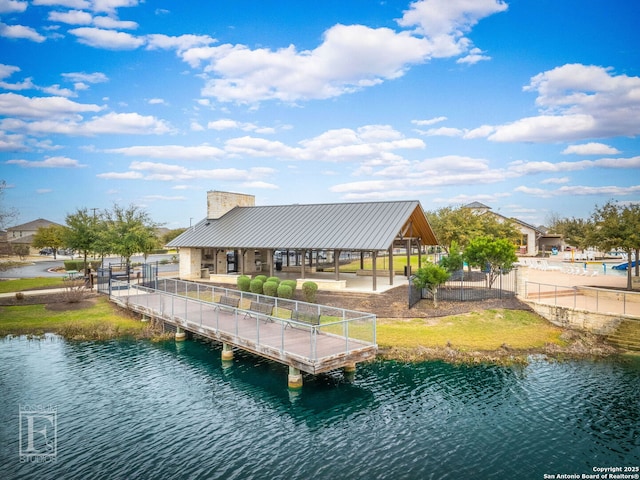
273,279
79,265
244,283
309,290
255,286
285,291
270,288
262,278
292,283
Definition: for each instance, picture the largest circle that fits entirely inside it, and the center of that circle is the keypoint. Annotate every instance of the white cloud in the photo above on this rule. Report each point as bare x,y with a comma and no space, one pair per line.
475,55
444,132
111,123
96,77
555,180
20,31
78,4
350,58
126,123
577,102
229,124
108,39
580,190
20,106
591,148
176,152
175,198
431,121
167,172
180,43
530,168
11,142
444,22
71,17
49,162
114,23
12,6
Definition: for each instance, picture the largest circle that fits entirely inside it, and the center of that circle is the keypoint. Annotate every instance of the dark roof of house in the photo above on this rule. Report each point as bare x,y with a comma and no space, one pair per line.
341,226
32,225
477,205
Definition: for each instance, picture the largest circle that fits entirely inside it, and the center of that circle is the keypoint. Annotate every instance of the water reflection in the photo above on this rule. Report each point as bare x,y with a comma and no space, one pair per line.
166,410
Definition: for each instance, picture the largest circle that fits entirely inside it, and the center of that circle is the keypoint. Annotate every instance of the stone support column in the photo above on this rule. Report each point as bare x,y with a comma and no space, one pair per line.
294,379
227,352
180,335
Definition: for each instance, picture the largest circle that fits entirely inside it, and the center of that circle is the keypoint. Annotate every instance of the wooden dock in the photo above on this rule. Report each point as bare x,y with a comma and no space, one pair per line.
341,339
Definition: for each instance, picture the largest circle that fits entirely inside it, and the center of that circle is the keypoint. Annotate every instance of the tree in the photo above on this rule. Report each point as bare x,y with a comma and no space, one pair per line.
617,226
7,215
574,231
129,231
454,262
496,227
171,234
457,224
496,256
430,277
82,232
463,224
49,237
20,249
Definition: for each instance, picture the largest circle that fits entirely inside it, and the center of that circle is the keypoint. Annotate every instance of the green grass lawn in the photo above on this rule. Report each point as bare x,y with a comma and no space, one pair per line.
382,263
22,284
97,322
483,330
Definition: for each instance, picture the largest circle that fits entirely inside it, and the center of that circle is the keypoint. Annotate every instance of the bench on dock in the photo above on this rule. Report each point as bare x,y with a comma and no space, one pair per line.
228,303
305,317
259,308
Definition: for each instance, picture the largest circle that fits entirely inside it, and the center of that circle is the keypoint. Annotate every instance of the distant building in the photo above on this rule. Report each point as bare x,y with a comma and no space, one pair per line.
533,239
23,234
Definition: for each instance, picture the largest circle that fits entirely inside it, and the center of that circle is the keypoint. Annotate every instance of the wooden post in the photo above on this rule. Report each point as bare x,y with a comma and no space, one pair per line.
374,255
304,255
391,272
336,264
408,247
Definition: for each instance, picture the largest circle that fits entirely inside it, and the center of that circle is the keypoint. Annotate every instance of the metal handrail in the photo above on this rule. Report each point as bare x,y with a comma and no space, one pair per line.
144,293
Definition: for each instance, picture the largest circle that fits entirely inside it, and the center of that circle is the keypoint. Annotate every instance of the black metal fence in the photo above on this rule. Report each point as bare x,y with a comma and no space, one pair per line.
469,286
146,275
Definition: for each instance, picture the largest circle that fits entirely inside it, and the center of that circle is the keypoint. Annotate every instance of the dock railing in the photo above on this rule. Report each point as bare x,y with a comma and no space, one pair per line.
197,307
592,299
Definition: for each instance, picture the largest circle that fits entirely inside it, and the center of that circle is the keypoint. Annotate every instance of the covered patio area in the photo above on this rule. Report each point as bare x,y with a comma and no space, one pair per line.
239,238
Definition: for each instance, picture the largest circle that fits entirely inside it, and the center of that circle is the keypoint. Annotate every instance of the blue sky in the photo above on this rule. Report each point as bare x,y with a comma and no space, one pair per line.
532,108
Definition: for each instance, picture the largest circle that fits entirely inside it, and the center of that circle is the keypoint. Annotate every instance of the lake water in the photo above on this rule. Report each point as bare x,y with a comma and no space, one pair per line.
125,410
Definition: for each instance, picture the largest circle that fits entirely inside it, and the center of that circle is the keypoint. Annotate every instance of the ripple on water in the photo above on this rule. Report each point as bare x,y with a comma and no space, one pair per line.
165,411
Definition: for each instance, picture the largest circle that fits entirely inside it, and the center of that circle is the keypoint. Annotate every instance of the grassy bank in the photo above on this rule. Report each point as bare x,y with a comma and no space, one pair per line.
99,320
481,330
23,284
494,336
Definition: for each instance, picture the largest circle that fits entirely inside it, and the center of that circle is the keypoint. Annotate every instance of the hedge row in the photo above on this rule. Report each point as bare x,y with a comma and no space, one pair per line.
274,287
79,265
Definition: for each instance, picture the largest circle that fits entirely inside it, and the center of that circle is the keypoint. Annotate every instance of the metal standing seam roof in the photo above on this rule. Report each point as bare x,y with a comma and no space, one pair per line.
338,226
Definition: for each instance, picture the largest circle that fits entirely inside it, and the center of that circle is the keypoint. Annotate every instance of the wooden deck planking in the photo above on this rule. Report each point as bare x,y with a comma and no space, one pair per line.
279,340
